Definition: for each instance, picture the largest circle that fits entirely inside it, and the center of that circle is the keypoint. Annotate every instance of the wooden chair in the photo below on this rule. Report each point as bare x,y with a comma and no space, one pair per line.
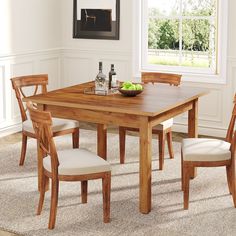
60,126
202,152
163,129
92,17
67,165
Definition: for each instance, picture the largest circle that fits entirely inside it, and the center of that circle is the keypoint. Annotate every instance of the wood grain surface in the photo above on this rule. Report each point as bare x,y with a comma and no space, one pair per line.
156,104
154,100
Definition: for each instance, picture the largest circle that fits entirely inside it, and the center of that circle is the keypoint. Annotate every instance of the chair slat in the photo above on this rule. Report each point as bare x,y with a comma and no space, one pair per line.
18,83
154,77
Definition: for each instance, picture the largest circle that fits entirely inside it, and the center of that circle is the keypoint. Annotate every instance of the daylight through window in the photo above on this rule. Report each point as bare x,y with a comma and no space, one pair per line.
181,34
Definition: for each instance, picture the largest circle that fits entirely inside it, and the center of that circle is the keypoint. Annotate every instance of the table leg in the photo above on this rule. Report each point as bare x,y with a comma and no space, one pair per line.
145,166
102,141
193,120
193,128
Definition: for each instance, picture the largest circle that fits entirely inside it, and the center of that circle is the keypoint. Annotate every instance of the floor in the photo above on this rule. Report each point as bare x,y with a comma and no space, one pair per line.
15,138
5,233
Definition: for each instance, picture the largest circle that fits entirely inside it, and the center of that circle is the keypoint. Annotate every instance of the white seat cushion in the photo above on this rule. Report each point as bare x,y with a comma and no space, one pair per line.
164,125
58,125
78,162
202,149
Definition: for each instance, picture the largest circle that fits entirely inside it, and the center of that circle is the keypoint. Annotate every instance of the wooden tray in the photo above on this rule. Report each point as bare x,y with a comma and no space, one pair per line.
92,91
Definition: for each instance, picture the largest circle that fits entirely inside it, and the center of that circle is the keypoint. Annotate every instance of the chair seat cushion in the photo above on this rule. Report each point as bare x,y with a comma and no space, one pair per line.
202,149
58,125
164,125
78,162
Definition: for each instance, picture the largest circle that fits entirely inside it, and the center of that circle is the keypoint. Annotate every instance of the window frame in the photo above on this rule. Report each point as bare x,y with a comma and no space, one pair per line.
189,73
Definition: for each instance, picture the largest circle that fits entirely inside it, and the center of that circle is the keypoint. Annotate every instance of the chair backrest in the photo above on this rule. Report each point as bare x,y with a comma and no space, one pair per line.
230,131
42,123
155,77
34,81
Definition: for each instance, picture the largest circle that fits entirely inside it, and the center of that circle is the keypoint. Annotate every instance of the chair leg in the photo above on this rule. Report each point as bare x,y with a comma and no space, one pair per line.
233,184
75,138
42,194
182,174
169,142
106,192
186,176
231,178
122,133
161,140
54,201
23,149
228,174
84,191
193,173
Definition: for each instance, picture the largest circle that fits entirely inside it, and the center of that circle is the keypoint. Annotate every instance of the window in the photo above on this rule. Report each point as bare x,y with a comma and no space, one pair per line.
184,36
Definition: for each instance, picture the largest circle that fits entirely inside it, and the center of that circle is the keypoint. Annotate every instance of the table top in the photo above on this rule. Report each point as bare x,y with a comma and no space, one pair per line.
154,100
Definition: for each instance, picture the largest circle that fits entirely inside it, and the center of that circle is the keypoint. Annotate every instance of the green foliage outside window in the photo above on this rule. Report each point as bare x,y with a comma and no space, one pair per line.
197,34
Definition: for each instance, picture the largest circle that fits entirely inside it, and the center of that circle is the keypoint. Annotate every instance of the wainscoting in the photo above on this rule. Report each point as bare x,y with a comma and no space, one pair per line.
216,107
82,65
70,66
47,61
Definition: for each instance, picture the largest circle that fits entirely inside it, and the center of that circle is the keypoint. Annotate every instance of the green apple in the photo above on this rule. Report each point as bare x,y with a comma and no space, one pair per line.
132,87
139,87
124,88
127,84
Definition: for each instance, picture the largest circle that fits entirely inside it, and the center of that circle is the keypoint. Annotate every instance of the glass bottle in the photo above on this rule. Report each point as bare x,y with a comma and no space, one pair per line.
101,85
112,77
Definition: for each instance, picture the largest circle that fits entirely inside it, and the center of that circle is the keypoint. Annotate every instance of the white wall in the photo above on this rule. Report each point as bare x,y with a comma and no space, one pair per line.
42,43
81,56
29,25
29,44
231,29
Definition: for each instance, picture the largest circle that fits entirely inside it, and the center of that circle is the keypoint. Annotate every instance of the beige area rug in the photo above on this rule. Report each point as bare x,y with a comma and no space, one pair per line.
211,209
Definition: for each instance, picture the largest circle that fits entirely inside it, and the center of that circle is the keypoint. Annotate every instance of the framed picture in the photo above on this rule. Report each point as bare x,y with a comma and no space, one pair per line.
96,19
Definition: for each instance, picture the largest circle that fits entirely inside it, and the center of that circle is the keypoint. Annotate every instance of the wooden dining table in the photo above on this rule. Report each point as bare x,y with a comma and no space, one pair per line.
157,103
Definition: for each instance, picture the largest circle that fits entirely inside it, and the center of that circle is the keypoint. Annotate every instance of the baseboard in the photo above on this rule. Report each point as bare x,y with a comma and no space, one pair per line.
10,130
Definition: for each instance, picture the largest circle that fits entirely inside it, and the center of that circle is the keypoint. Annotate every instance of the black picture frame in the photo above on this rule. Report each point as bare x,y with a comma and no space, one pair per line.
81,30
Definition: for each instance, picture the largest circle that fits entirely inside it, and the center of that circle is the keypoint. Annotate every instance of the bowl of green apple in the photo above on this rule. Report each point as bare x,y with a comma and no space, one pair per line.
130,89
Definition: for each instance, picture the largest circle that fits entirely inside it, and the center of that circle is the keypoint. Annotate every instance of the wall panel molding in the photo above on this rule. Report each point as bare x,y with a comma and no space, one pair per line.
43,61
18,68
100,51
51,64
3,95
30,53
210,107
68,66
82,65
76,69
214,117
